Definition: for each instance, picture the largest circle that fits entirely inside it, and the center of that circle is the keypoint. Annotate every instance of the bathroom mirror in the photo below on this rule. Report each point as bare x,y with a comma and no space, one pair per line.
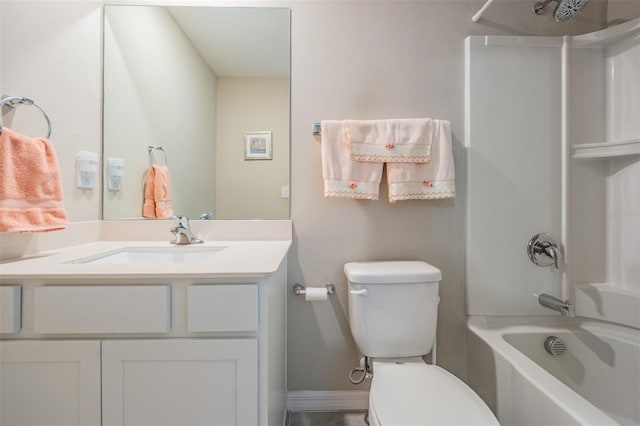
209,88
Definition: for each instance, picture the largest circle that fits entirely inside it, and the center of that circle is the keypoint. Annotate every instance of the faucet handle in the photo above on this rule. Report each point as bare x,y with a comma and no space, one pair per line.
182,221
545,250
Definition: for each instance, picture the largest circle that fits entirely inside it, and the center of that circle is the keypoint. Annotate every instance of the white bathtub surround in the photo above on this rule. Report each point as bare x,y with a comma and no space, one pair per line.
513,171
594,383
149,333
523,180
604,263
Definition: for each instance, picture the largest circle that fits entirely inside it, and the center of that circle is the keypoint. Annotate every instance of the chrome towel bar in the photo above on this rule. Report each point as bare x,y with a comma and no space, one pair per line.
14,101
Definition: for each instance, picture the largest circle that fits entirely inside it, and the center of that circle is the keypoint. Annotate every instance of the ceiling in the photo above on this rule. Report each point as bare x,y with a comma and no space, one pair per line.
238,41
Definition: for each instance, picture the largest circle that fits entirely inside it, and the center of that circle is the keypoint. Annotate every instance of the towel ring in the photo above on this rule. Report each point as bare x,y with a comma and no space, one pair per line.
14,101
153,149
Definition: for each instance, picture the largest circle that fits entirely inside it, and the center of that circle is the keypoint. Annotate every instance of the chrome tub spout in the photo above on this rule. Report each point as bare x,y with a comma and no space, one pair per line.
565,308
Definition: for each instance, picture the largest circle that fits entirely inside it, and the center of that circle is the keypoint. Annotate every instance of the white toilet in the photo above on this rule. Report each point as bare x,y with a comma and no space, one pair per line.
393,309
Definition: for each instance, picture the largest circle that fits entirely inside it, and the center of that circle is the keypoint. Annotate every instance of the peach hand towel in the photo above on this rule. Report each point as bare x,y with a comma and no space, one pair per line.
404,140
157,193
343,177
426,181
30,185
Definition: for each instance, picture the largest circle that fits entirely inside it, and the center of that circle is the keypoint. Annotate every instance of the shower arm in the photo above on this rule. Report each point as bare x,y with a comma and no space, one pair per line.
538,8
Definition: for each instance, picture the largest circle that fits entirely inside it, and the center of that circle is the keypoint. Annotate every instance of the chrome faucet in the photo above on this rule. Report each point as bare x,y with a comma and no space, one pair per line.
565,308
182,232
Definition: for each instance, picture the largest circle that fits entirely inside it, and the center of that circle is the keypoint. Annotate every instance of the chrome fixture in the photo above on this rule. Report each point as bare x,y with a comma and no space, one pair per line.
152,149
206,216
14,101
182,232
565,9
545,250
555,345
565,308
301,290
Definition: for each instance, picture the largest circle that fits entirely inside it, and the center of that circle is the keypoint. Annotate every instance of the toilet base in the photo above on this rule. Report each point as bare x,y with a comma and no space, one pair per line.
415,393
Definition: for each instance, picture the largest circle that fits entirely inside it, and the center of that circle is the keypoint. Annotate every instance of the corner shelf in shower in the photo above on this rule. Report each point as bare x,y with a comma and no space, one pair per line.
607,36
607,149
608,303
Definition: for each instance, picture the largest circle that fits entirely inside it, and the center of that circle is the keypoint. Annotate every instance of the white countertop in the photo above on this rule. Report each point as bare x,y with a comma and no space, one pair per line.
237,259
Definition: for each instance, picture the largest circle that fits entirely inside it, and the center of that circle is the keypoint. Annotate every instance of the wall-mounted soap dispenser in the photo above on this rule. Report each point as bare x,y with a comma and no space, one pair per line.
87,168
115,172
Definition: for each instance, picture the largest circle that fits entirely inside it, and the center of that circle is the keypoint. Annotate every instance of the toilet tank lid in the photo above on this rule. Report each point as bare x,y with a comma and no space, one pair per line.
391,272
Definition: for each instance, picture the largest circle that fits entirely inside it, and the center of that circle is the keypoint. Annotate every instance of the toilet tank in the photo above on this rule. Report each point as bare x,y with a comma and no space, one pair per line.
393,307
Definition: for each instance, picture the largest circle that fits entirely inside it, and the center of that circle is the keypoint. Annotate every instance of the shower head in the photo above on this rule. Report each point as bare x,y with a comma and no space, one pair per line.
565,9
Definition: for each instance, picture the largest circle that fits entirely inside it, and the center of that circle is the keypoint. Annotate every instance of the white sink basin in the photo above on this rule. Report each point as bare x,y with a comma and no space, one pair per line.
142,255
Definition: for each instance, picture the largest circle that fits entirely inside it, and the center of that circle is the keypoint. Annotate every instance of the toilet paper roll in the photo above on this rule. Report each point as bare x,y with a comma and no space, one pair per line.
313,294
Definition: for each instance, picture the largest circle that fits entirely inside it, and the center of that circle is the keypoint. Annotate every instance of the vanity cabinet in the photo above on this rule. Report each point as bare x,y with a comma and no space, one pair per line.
142,382
50,382
207,351
180,382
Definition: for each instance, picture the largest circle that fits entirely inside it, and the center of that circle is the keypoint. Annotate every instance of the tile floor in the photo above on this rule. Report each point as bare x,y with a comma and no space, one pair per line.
326,418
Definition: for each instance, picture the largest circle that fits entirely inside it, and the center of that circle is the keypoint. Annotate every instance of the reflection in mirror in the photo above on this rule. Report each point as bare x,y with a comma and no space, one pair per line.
195,81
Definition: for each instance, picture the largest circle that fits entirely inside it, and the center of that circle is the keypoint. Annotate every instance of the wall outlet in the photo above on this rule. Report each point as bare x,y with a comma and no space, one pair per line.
115,172
87,165
285,191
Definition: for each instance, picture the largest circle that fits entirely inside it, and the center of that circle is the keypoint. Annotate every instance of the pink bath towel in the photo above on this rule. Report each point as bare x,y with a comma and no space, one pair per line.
30,185
426,181
403,140
157,193
344,177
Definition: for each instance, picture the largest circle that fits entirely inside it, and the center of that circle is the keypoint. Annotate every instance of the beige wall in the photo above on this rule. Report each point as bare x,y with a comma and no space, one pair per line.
351,59
58,66
252,189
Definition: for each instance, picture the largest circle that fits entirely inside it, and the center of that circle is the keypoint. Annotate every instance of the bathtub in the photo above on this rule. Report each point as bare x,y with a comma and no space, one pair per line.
595,382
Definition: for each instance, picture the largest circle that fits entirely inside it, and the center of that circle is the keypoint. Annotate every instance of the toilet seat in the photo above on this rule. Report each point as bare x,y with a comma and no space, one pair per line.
415,393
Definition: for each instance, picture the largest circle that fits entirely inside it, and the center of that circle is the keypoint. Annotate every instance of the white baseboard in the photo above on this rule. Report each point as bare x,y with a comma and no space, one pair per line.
327,400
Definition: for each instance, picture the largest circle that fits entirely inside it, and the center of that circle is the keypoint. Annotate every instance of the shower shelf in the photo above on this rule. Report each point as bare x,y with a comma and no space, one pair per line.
607,36
608,303
607,149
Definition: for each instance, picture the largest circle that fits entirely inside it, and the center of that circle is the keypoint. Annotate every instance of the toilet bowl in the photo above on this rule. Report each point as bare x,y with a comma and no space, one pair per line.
392,315
416,393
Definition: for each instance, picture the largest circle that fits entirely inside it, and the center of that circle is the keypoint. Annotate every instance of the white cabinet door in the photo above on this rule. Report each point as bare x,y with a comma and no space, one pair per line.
50,382
180,382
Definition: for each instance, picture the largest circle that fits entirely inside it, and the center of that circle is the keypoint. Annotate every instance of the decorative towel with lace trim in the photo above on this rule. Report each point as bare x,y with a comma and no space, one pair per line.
426,181
403,140
343,177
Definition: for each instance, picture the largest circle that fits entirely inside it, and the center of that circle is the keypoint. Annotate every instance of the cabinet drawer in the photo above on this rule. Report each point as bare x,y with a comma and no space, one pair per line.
223,307
102,309
10,302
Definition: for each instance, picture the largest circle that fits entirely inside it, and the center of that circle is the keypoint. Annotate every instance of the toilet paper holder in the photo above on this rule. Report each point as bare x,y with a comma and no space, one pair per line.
301,290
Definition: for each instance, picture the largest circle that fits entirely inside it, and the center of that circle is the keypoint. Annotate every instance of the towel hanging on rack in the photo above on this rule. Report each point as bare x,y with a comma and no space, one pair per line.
30,185
157,193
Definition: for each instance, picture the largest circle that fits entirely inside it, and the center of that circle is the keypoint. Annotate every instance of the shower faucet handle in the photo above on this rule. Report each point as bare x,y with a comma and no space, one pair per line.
545,250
